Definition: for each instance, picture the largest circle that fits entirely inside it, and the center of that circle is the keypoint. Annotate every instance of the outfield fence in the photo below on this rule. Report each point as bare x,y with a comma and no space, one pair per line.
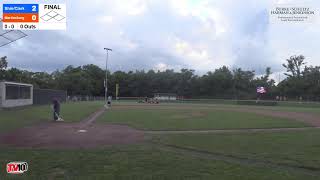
84,98
232,102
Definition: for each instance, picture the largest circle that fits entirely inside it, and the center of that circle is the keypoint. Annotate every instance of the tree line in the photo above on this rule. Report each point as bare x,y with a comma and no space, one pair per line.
302,81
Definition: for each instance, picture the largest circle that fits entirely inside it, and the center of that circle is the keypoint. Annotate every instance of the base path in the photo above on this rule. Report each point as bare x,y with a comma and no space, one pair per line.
67,135
225,131
90,120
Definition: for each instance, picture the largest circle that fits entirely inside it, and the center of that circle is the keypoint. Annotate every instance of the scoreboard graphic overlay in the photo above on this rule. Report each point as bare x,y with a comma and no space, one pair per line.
34,17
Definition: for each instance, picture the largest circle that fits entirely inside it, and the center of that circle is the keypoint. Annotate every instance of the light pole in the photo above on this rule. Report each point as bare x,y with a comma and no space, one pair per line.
106,81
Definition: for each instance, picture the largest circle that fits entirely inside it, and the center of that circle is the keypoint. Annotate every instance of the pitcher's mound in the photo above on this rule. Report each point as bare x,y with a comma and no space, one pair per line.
69,135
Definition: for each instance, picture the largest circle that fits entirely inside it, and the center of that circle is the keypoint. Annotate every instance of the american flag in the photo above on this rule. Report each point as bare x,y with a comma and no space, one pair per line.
261,90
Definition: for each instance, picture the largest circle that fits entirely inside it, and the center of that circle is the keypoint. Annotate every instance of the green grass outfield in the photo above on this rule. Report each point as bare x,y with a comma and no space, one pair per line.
292,148
182,117
136,162
20,117
155,159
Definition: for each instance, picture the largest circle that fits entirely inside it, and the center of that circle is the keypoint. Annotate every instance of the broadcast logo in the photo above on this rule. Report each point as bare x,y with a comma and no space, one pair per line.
17,167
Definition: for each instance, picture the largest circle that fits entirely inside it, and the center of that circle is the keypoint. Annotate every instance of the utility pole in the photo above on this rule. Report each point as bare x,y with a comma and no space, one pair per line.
106,81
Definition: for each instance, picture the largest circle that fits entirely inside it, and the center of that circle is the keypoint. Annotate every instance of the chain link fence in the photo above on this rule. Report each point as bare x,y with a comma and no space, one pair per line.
45,96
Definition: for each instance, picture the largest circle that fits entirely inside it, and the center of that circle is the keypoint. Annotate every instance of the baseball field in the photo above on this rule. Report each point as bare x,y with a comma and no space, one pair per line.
162,141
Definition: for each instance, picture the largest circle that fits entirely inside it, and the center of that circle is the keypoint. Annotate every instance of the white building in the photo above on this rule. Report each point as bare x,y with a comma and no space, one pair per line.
165,96
15,94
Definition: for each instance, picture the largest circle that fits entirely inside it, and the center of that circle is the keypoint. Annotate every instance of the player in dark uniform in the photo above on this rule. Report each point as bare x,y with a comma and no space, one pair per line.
56,109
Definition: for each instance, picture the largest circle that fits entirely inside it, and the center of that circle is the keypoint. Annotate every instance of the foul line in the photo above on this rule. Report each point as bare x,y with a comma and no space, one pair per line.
221,131
238,160
89,120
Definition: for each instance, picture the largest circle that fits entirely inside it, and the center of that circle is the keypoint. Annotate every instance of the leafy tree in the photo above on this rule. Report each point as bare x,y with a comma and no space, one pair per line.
219,83
311,79
3,63
243,86
3,67
94,75
294,66
294,85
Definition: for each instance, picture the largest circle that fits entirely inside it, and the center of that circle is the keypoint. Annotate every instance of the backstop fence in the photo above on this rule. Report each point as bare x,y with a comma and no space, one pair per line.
45,96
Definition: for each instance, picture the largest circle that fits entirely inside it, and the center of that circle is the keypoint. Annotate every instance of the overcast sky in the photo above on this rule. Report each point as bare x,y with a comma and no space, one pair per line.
159,34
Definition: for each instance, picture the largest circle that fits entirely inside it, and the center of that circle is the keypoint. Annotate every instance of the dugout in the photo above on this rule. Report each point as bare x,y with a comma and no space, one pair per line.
13,94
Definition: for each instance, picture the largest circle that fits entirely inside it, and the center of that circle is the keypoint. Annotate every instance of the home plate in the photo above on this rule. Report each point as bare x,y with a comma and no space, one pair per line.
82,131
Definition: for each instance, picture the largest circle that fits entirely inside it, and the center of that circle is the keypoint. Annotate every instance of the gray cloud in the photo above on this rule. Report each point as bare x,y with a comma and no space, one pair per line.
48,51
